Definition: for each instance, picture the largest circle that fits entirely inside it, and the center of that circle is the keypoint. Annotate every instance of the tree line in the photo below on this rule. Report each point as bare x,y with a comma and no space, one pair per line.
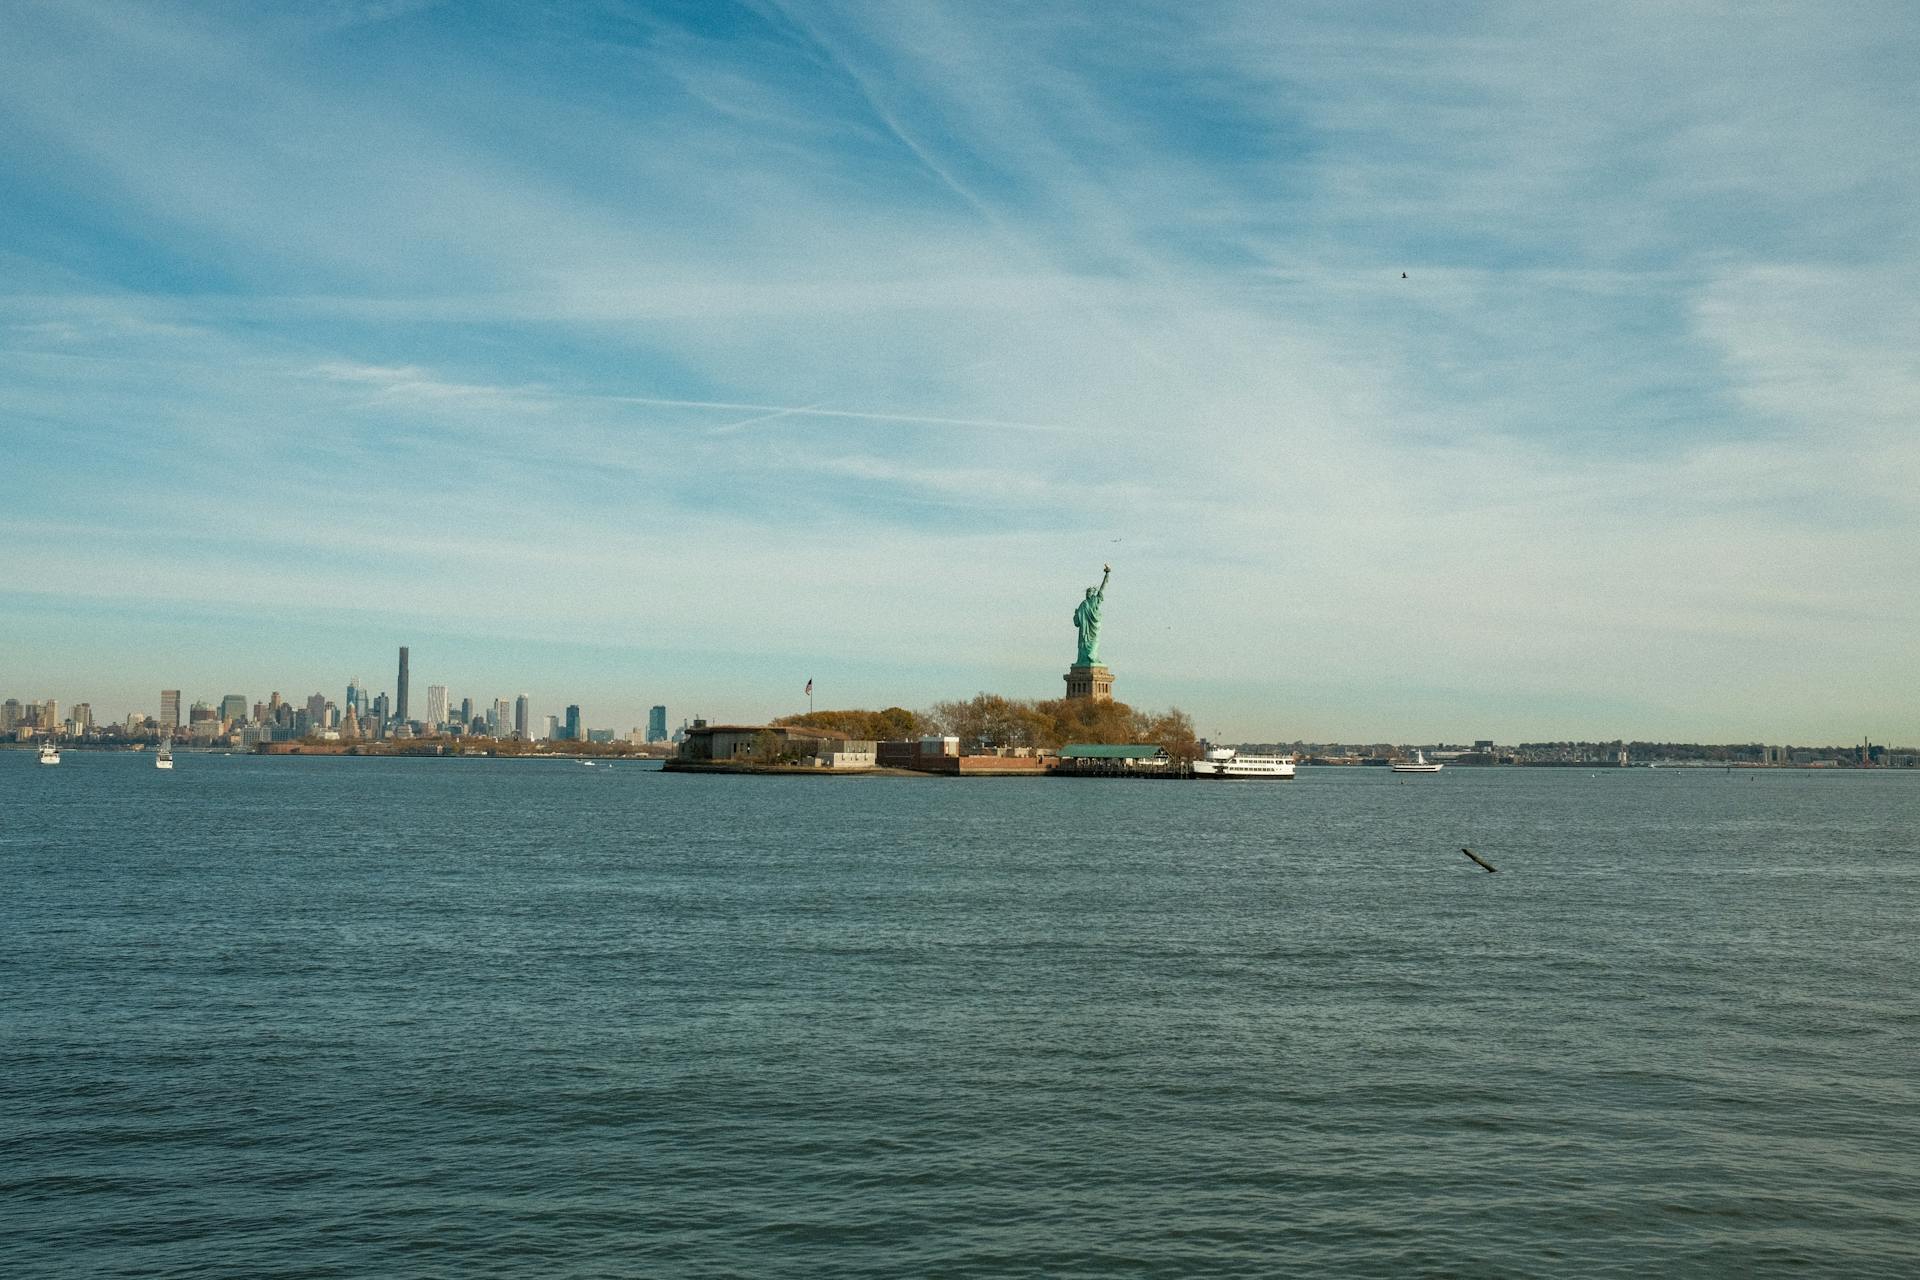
989,721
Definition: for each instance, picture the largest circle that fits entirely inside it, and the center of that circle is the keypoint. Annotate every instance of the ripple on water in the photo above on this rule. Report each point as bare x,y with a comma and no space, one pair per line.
284,1025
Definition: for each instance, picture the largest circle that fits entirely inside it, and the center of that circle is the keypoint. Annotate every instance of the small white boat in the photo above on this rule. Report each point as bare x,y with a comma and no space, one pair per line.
1225,762
1418,764
49,754
163,758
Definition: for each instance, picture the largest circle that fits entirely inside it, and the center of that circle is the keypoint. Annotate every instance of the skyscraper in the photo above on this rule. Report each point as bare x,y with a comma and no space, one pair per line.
520,725
400,693
356,697
502,718
657,725
169,709
233,708
436,705
574,732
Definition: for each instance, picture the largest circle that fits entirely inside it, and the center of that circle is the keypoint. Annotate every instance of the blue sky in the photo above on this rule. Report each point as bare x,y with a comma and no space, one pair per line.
684,352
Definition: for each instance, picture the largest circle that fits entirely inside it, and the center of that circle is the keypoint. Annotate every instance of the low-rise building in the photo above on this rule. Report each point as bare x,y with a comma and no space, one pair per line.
942,756
1103,759
854,753
759,743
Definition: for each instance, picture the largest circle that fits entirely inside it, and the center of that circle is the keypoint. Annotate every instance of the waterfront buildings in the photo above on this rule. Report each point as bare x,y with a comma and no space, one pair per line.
169,709
400,689
657,724
520,725
574,732
713,743
436,706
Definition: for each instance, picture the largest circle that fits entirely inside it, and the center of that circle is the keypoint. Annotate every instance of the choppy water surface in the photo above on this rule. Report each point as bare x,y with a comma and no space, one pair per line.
278,1017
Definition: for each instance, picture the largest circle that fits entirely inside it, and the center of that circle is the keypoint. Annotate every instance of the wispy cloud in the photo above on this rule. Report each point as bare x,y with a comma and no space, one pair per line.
970,292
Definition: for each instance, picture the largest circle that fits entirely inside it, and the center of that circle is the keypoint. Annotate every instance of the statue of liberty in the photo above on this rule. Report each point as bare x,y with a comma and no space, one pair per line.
1087,618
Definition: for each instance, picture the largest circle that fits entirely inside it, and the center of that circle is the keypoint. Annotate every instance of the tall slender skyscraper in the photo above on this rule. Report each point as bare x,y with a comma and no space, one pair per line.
520,725
169,708
657,725
400,693
575,732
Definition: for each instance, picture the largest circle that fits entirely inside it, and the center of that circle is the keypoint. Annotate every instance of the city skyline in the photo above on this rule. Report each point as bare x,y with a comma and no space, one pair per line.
380,712
1470,371
514,717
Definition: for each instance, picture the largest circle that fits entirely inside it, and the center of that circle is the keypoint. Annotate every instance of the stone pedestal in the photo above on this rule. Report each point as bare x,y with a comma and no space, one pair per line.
1089,682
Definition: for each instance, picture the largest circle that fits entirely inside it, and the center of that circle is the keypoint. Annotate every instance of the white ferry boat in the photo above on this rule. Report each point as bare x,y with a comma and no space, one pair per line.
49,754
164,758
1225,762
1418,764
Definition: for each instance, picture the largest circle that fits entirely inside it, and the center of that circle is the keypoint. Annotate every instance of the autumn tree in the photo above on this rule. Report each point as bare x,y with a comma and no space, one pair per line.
989,720
880,726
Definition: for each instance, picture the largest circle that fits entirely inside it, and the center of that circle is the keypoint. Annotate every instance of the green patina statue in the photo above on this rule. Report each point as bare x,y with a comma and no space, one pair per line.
1087,618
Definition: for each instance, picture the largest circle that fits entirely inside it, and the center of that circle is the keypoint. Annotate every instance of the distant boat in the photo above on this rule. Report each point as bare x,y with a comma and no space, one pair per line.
1225,762
163,758
1418,764
49,754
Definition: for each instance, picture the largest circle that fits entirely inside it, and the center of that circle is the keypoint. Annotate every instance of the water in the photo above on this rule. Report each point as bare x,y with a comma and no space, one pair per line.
280,1017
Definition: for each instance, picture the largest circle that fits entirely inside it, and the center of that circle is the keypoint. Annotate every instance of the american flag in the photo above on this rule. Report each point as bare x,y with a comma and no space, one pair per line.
809,688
